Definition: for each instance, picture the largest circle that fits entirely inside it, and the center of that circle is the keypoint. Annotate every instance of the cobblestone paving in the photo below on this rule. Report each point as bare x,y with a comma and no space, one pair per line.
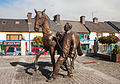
20,71
107,67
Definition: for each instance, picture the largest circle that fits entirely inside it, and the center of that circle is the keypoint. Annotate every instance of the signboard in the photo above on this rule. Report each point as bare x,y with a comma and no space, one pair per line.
10,43
1,43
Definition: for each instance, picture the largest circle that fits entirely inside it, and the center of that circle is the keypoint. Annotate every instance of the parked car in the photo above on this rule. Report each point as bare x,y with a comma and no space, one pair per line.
28,53
1,54
14,51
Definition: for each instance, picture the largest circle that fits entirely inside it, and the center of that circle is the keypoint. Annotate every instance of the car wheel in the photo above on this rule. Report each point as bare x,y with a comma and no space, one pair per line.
19,54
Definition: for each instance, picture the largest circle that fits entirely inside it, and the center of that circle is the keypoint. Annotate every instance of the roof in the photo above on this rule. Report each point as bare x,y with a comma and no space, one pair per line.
21,25
13,25
115,25
76,26
55,26
99,27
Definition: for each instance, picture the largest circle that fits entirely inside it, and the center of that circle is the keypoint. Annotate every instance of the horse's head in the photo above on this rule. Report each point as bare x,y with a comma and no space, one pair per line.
67,27
39,19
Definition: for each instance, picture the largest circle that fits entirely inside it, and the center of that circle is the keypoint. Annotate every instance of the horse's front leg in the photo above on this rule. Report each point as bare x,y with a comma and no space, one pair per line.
52,53
36,59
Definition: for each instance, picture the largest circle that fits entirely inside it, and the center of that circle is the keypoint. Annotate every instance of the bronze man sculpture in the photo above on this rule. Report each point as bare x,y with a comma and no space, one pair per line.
70,42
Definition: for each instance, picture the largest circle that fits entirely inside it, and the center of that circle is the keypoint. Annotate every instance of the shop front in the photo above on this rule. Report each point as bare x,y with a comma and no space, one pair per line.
6,44
37,47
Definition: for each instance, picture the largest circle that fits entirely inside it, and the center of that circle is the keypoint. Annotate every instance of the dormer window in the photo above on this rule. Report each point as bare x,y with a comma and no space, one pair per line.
17,22
3,22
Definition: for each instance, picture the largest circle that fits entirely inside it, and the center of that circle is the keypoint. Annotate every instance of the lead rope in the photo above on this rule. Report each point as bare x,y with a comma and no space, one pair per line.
61,48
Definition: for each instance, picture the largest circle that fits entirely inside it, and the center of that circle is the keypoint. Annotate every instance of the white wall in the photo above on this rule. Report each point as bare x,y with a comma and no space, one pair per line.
92,35
117,34
105,34
32,35
25,35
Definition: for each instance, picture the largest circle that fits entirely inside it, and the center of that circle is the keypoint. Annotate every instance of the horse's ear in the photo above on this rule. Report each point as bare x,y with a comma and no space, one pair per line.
44,11
35,11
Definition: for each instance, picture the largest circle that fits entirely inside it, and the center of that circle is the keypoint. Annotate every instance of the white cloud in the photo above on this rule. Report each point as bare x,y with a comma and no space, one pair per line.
68,9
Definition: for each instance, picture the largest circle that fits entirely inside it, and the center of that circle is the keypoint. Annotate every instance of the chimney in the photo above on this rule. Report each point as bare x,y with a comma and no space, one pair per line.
95,20
57,18
29,15
82,19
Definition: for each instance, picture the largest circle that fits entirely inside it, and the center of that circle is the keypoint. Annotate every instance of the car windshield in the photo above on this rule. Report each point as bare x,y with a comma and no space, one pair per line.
10,49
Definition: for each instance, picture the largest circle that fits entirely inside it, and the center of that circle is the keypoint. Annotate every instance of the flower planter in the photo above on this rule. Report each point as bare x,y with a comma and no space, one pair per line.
115,57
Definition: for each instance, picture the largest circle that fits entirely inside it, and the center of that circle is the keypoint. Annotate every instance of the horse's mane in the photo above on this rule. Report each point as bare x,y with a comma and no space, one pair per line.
46,17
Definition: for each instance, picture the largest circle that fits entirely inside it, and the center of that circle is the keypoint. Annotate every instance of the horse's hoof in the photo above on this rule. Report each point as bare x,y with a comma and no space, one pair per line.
50,74
36,68
50,80
68,76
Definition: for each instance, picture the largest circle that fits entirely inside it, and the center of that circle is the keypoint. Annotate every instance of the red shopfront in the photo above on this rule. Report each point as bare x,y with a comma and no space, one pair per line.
37,47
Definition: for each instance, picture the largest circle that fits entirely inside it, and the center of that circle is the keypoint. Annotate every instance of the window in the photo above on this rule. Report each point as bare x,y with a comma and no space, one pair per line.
85,36
17,22
99,35
14,37
3,22
82,36
110,34
37,50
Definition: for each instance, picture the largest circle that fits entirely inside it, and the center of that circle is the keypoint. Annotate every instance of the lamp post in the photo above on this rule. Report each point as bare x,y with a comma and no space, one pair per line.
29,15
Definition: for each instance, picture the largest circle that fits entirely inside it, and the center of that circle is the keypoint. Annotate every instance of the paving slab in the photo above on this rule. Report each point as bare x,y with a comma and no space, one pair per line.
19,70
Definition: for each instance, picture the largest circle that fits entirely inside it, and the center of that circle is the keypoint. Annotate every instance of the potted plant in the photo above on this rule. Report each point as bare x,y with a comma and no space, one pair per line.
115,57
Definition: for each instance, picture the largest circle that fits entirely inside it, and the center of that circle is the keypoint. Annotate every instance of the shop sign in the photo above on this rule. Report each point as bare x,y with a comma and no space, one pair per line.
1,43
12,43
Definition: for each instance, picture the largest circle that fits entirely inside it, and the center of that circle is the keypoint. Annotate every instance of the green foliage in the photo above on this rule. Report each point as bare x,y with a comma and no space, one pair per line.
116,49
108,39
37,39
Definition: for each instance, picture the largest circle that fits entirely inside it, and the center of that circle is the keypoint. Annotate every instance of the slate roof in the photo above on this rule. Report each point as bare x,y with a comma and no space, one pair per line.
10,25
55,26
115,25
76,26
99,27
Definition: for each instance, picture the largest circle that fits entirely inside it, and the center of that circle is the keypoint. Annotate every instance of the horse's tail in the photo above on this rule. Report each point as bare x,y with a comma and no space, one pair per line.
79,49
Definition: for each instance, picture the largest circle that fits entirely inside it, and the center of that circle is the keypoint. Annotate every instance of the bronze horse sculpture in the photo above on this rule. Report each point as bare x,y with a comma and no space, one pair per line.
49,35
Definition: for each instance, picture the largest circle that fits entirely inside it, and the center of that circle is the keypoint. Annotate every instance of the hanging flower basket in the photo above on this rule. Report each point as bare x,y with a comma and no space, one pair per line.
38,40
108,39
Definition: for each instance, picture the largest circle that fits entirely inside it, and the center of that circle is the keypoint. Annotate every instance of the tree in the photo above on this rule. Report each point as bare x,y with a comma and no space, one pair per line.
37,39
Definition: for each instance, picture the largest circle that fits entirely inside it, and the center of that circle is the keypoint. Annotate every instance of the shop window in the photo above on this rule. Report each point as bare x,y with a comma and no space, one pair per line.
14,37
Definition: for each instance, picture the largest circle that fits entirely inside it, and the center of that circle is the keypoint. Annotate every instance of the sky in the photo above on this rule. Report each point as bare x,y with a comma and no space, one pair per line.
104,10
